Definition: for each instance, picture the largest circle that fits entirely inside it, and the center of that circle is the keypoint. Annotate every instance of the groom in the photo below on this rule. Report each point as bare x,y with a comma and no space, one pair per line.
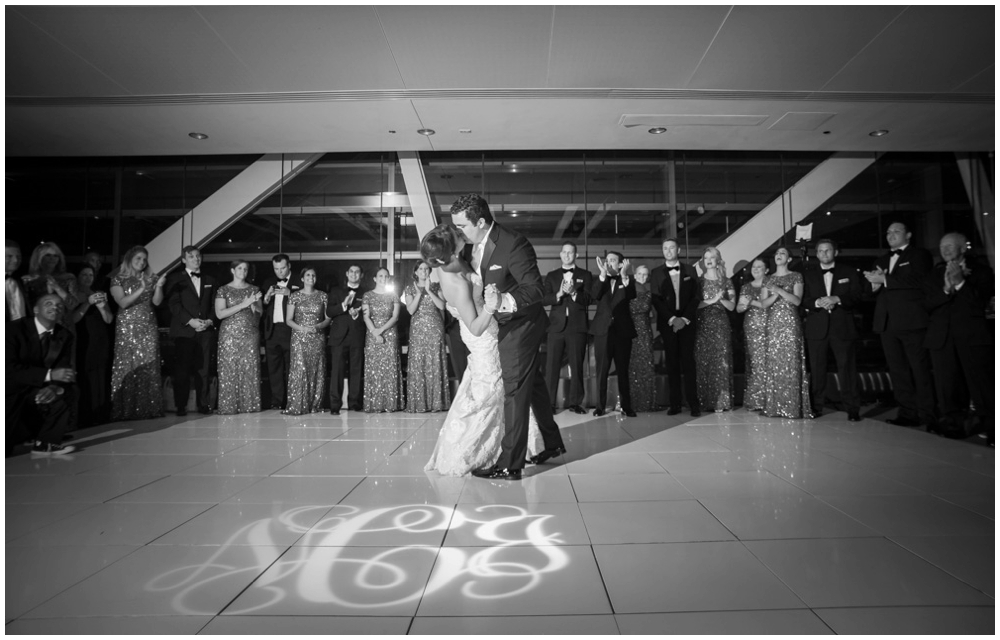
506,259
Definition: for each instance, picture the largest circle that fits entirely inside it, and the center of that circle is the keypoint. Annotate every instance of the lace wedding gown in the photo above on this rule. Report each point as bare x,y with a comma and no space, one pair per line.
470,436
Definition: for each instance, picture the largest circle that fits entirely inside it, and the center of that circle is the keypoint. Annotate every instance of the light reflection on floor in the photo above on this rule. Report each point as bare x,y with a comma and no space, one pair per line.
730,523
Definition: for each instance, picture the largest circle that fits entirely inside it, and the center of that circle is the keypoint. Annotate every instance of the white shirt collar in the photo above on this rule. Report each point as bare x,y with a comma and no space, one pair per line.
482,243
902,248
41,327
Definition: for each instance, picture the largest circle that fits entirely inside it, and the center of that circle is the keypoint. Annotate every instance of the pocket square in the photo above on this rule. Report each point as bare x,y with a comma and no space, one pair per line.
843,281
902,264
495,267
686,278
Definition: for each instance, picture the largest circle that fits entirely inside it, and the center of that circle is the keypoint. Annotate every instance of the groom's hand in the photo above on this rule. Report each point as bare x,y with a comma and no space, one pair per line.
602,266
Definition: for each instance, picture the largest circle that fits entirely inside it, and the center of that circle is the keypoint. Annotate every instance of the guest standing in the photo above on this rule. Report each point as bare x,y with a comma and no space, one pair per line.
136,385
642,376
427,367
93,319
714,344
307,318
383,375
347,341
786,387
191,298
675,296
47,274
17,300
277,333
238,307
567,292
755,335
612,329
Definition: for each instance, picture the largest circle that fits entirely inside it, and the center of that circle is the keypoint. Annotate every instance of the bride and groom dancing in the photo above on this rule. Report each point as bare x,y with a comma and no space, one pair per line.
490,280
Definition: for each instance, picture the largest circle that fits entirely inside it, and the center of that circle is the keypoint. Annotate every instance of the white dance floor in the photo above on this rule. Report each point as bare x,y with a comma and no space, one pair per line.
728,524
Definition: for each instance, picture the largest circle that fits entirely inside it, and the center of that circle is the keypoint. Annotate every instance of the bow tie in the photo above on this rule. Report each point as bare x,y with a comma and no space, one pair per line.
896,252
283,282
673,268
570,270
195,274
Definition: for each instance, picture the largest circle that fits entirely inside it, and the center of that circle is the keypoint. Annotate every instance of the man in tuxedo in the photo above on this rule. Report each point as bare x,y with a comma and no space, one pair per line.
39,378
506,260
901,320
191,300
457,351
675,296
960,338
567,291
17,302
613,328
829,297
347,340
277,334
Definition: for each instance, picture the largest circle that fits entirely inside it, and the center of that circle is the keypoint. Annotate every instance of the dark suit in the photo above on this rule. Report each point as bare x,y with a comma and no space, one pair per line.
457,351
278,341
347,338
19,291
509,262
613,331
194,351
678,347
26,369
960,340
901,322
834,329
568,324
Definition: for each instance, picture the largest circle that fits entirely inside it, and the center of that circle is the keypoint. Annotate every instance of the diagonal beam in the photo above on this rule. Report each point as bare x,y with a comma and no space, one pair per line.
424,212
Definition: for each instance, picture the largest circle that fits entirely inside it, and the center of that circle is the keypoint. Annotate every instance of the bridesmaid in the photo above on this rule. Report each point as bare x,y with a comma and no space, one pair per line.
238,307
307,318
713,347
427,367
93,347
786,386
47,274
755,332
136,385
642,377
383,376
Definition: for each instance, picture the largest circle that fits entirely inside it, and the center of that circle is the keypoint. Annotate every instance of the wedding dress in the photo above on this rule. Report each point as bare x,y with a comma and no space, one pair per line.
471,435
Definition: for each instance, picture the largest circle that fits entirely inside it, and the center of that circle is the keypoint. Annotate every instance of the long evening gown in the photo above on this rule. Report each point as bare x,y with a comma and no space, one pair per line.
239,354
642,377
786,386
713,349
136,385
383,374
755,337
93,360
307,375
427,366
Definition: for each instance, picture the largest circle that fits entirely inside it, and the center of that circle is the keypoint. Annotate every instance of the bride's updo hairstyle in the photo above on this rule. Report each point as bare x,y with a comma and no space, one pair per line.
438,246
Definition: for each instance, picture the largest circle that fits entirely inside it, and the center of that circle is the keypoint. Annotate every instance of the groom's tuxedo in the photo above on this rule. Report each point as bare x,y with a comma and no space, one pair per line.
509,262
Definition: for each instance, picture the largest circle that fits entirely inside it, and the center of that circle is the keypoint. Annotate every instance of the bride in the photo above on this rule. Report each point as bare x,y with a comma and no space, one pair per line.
473,429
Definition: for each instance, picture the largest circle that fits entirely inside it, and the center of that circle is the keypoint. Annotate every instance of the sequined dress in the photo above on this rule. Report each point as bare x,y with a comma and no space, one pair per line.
307,375
642,377
383,373
755,339
239,354
786,385
136,385
427,361
713,349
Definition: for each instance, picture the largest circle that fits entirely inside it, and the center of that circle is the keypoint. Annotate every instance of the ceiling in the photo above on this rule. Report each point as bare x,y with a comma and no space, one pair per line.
118,80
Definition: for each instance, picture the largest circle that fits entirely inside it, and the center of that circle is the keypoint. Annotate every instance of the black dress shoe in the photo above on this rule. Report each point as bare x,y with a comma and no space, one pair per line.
578,409
629,413
695,413
542,456
205,410
599,412
853,416
182,412
673,411
495,473
903,422
334,412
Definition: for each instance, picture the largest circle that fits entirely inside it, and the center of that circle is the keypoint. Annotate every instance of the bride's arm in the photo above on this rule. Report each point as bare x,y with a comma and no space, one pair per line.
457,291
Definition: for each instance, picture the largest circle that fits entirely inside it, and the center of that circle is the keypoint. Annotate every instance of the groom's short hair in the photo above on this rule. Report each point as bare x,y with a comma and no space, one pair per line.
438,246
474,208
620,256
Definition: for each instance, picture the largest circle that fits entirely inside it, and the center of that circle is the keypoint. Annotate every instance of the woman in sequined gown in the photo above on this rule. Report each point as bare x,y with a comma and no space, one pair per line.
786,385
307,318
383,375
755,334
238,307
642,377
427,366
713,347
136,385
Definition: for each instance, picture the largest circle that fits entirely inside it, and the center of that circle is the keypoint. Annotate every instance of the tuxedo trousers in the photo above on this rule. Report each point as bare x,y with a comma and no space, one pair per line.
845,353
193,363
608,349
678,353
278,350
964,372
44,422
347,357
910,371
574,346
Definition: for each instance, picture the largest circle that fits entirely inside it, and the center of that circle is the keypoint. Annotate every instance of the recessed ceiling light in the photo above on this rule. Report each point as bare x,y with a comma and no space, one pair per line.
426,132
658,130
879,133
198,136
392,131
465,130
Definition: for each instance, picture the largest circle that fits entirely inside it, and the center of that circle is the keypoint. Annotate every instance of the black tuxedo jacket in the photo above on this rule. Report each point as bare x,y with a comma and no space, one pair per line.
185,303
567,314
664,298
27,366
343,328
613,315
29,312
899,303
509,262
839,322
294,284
960,314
